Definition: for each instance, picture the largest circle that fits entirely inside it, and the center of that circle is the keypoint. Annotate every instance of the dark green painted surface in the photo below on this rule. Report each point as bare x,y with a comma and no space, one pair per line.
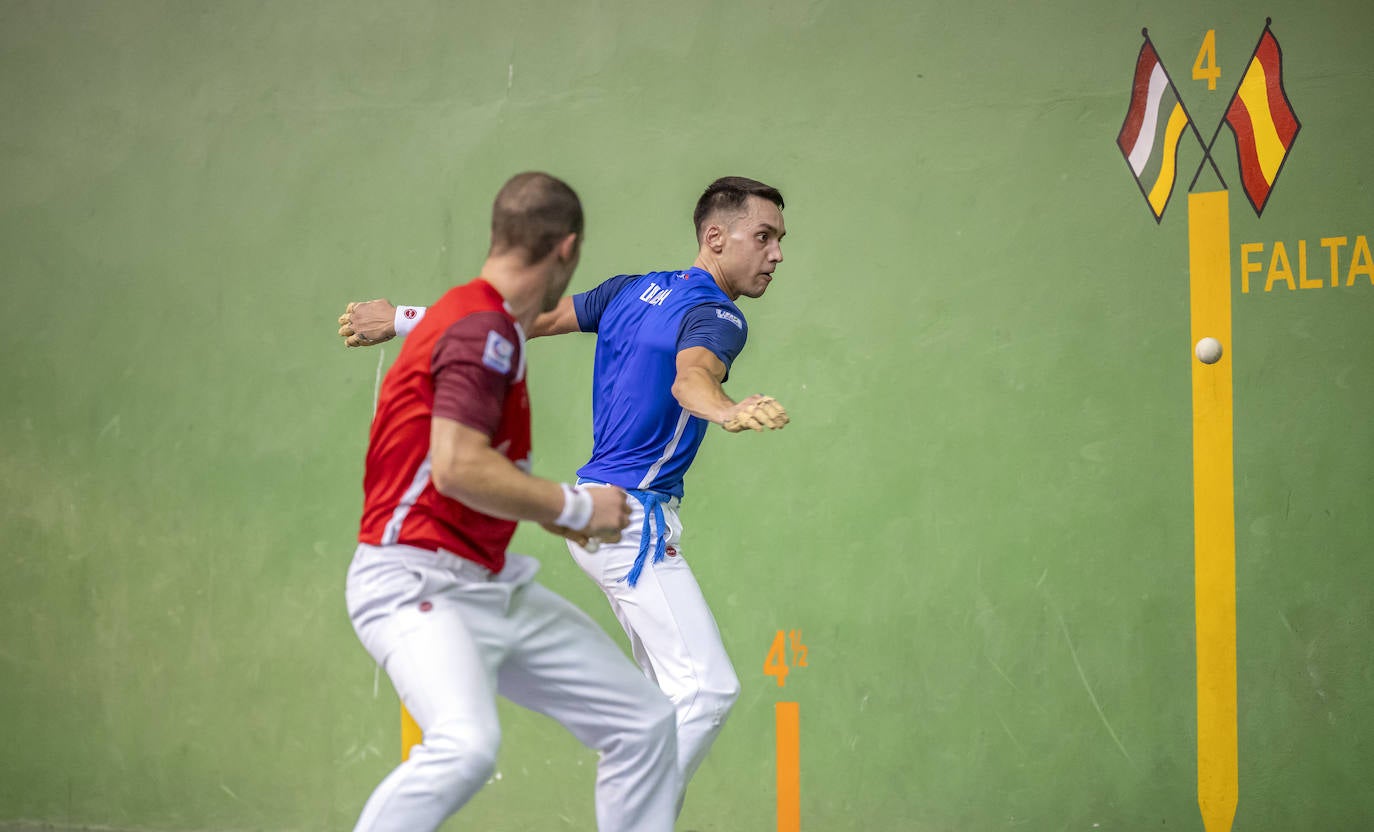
980,518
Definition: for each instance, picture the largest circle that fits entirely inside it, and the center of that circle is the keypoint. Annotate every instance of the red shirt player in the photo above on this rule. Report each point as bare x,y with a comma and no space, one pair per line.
432,592
469,367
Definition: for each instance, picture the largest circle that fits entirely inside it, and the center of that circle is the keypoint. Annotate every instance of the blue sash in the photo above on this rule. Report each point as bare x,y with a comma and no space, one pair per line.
653,510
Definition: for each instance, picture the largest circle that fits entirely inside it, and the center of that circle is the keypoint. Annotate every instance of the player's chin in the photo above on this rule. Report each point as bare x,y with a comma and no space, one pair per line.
760,287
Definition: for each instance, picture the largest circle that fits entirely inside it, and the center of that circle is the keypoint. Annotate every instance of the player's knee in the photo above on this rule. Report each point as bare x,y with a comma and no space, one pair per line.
720,696
463,757
730,694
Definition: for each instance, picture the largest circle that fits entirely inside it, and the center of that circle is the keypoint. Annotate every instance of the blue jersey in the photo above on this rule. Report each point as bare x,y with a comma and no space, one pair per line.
642,438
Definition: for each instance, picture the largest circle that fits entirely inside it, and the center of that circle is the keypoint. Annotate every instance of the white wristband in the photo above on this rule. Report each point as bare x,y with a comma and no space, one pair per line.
406,319
577,508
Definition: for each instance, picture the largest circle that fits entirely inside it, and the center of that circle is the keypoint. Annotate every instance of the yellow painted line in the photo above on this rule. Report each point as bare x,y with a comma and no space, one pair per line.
1214,521
787,716
411,735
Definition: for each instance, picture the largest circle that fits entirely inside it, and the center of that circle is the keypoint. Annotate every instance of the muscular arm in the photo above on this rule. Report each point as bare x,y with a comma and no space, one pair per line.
371,322
560,321
697,388
466,468
697,385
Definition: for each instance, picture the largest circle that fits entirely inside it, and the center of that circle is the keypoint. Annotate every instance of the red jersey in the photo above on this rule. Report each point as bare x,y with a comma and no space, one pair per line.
465,361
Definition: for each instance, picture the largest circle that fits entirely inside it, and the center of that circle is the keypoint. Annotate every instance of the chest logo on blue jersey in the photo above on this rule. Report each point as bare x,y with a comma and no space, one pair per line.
730,316
498,352
655,295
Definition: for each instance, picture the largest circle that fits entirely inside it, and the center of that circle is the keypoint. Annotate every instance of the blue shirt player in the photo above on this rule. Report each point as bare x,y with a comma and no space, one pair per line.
665,344
643,440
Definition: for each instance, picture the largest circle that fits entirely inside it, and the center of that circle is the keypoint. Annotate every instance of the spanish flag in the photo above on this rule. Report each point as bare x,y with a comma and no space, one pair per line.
1150,135
1262,120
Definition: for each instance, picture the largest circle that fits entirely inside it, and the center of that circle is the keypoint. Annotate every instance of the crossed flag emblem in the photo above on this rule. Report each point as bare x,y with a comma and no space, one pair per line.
1259,115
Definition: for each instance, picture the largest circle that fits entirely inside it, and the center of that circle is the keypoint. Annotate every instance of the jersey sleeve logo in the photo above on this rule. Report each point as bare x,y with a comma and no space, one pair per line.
729,316
498,352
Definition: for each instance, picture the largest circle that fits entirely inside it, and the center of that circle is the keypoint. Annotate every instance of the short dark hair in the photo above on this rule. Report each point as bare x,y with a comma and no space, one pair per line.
729,193
532,212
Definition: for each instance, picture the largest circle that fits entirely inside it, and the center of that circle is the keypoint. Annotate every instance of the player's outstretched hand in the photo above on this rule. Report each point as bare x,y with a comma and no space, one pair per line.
368,323
756,413
610,514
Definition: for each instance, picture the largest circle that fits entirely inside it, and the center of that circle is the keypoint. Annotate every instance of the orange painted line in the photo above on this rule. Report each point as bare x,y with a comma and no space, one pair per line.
411,735
1214,512
788,718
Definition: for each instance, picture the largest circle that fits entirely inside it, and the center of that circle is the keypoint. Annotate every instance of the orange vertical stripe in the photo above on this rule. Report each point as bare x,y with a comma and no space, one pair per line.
788,718
1214,521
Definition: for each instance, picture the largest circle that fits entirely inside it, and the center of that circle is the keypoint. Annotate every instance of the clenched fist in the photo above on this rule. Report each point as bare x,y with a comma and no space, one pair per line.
756,413
368,323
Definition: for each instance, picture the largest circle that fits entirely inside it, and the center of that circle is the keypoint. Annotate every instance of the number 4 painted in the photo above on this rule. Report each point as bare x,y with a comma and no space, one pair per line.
775,664
1206,68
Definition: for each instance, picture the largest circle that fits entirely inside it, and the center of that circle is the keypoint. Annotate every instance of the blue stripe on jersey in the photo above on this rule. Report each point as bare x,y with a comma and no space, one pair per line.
642,438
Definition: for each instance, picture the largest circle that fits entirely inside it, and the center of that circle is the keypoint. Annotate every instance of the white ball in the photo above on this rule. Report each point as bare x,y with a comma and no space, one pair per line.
1208,350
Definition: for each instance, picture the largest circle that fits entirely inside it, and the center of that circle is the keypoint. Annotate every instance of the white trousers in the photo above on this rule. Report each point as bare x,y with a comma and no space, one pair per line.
672,633
451,636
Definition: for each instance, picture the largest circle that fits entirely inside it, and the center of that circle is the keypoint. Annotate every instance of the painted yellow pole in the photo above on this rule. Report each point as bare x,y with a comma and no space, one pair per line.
411,735
1214,523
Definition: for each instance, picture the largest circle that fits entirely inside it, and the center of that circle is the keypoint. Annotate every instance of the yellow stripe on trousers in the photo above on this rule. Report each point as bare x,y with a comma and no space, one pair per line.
1214,525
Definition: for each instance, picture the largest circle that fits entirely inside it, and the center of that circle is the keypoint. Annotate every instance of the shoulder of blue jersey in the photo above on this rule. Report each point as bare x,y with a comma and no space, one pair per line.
727,315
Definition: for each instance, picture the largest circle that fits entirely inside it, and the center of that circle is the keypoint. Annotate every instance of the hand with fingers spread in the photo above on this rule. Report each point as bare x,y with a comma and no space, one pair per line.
368,323
757,413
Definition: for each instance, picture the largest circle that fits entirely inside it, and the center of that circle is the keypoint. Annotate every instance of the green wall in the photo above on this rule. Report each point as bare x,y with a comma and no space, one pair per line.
980,518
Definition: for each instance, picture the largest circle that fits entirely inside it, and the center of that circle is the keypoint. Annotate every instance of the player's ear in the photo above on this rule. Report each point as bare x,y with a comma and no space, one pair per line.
714,237
569,247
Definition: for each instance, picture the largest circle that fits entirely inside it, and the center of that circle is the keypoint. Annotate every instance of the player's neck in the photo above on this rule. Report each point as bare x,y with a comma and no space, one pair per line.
709,264
522,285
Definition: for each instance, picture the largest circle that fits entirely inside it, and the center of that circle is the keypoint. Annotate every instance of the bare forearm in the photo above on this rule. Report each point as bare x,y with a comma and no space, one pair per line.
560,321
701,395
489,482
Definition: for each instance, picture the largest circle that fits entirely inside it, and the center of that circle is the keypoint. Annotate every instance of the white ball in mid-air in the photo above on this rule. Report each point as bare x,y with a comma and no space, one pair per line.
1208,350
